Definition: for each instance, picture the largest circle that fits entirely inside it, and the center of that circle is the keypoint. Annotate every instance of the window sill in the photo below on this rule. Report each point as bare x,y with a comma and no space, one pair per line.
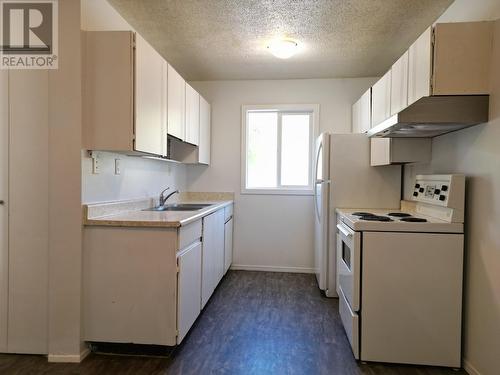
276,192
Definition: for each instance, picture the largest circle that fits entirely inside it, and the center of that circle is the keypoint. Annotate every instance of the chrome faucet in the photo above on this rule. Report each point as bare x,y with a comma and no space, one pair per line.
163,198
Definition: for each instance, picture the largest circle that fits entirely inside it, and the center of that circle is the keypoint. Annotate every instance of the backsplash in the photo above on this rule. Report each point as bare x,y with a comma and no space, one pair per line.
138,177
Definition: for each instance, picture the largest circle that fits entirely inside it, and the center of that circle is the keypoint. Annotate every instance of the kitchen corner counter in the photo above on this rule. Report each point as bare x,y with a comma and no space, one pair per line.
131,213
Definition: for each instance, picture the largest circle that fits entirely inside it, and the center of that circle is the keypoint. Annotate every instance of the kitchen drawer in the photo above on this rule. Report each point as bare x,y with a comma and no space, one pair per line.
228,212
350,321
189,233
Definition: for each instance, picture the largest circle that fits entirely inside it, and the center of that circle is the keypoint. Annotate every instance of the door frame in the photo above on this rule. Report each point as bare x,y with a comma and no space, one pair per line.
4,213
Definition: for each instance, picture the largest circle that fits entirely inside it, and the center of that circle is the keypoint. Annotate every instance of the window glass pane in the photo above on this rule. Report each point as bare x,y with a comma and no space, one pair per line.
262,150
295,151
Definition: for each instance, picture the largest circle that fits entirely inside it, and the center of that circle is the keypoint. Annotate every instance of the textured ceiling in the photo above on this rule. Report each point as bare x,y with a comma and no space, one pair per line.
227,39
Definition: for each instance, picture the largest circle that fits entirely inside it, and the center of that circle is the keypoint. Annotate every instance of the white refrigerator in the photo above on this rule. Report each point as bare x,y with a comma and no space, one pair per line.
345,179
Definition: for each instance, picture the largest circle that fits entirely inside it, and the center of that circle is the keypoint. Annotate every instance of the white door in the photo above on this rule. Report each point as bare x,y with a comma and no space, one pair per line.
188,289
321,193
4,154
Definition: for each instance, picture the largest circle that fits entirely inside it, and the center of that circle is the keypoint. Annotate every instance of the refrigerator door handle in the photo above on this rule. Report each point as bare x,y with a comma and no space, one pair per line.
316,208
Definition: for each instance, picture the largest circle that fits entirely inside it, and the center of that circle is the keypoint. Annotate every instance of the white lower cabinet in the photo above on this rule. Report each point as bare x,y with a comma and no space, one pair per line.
188,288
148,285
213,254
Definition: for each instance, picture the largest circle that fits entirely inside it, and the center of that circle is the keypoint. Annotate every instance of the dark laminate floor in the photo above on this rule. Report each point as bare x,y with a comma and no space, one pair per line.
255,323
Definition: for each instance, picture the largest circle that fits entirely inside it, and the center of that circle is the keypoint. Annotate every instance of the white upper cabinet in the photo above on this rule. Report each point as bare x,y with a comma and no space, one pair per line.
205,132
399,84
381,99
133,100
451,60
387,151
192,116
362,113
419,67
176,99
149,104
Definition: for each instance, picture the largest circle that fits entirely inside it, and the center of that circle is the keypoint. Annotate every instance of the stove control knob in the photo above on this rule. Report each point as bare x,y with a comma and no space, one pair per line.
415,194
444,188
442,197
437,191
417,186
421,190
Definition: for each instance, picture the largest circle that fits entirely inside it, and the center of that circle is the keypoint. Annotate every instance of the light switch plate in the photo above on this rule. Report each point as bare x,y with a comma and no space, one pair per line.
118,167
96,163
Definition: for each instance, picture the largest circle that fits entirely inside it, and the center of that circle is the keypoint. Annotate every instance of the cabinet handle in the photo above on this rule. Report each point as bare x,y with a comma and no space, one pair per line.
1,202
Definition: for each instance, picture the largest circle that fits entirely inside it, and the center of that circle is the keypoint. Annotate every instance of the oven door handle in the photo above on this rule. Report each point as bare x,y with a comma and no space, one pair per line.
344,231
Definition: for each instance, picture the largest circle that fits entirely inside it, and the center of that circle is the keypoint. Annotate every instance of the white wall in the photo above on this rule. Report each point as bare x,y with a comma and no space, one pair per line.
476,153
271,232
138,178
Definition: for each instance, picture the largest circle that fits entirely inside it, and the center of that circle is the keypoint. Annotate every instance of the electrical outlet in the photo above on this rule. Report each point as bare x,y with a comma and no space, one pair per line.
118,169
96,163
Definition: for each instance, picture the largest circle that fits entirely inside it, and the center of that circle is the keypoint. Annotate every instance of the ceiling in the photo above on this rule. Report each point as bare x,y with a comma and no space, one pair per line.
227,39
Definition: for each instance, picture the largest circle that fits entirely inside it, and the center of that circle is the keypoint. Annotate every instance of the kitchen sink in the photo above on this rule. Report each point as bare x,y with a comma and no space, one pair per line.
179,207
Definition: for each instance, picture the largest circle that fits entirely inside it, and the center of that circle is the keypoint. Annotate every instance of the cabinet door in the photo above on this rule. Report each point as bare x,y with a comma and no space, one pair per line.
188,289
381,99
213,254
419,67
148,98
176,117
386,151
164,111
205,132
380,151
219,240
356,111
399,84
362,113
108,91
228,244
207,258
192,116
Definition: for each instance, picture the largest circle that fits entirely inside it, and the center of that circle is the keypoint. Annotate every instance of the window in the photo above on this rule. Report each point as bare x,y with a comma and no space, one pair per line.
277,148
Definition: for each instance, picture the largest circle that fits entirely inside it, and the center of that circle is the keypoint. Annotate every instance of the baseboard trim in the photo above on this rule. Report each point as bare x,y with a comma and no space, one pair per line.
245,267
69,358
470,369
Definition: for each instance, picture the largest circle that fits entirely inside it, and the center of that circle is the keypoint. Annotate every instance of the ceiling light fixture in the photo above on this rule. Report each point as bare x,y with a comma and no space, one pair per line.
283,48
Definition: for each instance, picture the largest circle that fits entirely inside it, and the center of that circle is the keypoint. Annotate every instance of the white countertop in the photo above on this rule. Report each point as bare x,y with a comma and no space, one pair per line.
133,213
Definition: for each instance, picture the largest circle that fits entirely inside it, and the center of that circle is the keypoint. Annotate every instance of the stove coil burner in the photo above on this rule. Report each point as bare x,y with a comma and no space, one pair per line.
399,214
362,214
375,218
414,220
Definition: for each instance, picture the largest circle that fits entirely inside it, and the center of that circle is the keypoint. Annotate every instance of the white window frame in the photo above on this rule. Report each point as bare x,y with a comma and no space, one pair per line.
314,131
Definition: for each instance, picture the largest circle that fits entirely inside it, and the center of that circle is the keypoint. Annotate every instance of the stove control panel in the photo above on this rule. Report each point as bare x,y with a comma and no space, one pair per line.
431,191
440,190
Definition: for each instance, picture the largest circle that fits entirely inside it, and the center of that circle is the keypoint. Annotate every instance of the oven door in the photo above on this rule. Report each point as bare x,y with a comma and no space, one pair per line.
348,264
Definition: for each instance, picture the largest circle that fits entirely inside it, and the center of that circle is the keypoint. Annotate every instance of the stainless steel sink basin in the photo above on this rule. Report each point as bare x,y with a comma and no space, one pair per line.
179,207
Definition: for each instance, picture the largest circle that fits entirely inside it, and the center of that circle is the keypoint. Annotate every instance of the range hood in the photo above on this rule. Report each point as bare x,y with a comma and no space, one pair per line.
431,116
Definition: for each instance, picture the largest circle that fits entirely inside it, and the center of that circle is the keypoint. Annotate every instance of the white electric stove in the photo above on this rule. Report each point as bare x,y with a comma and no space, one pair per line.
400,275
